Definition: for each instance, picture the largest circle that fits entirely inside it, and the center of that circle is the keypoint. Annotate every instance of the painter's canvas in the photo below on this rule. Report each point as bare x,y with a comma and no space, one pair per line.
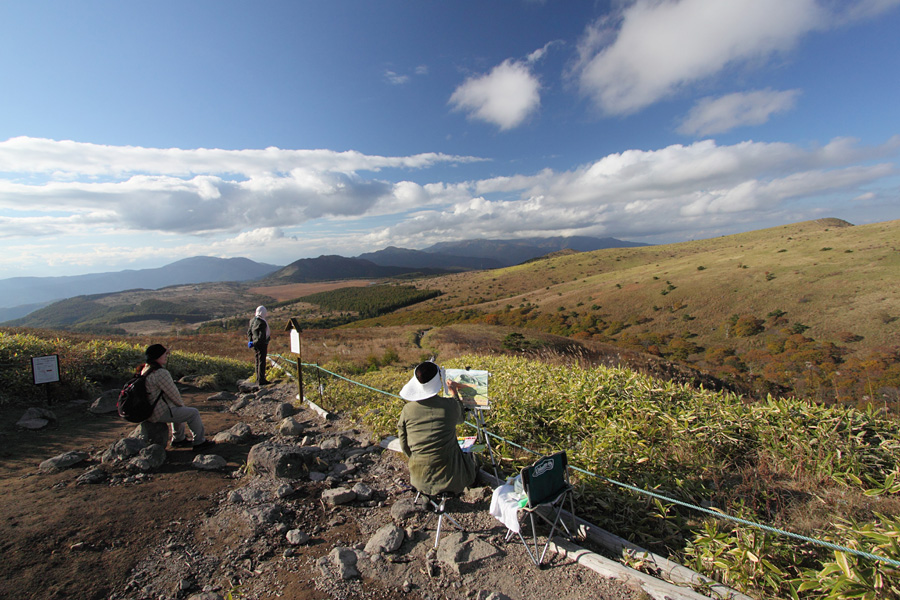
473,388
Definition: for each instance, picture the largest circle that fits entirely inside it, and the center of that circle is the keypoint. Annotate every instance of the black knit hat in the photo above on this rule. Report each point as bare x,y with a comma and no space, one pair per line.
155,351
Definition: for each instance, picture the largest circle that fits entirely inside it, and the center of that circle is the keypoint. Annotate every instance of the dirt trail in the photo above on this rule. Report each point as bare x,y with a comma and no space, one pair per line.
128,538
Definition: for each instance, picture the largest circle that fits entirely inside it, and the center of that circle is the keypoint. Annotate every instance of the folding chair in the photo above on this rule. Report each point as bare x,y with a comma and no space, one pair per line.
546,484
438,504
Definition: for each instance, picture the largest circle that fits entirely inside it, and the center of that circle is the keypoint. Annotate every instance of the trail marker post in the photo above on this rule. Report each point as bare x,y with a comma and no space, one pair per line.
293,327
45,369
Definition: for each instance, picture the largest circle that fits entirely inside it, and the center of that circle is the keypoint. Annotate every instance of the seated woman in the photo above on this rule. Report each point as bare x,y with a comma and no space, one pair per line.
170,407
427,432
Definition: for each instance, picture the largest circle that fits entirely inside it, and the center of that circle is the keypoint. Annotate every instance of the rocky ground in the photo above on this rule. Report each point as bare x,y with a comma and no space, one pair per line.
287,505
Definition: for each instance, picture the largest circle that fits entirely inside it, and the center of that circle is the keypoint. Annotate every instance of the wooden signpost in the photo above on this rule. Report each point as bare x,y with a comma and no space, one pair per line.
45,369
293,327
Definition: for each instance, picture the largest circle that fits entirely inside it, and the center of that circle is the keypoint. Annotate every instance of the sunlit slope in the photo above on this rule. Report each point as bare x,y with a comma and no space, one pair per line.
834,278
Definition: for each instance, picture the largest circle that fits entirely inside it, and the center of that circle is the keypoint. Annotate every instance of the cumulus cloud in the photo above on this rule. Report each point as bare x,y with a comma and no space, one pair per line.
505,97
395,78
79,159
653,48
269,212
638,193
718,115
194,191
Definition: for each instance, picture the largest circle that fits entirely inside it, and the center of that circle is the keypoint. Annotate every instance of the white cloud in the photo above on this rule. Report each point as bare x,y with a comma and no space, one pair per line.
505,97
191,191
638,193
266,213
656,47
82,160
396,78
718,115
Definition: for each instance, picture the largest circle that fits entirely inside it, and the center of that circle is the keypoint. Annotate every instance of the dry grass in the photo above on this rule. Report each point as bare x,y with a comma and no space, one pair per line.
282,293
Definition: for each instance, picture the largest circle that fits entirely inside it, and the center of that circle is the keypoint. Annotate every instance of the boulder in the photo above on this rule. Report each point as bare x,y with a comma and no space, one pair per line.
105,403
290,428
152,433
386,539
123,449
155,454
246,386
297,537
336,496
285,409
363,492
62,461
405,508
282,460
239,404
344,560
463,553
209,462
335,442
222,396
36,418
91,476
238,434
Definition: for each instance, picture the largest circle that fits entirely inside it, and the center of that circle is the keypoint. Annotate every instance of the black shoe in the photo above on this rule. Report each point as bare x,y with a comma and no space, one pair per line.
206,445
182,444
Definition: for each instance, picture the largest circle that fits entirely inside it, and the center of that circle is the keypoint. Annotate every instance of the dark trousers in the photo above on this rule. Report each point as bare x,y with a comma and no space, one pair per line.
261,351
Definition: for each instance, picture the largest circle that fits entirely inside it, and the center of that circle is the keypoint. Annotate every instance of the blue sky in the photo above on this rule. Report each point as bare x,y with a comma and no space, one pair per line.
135,134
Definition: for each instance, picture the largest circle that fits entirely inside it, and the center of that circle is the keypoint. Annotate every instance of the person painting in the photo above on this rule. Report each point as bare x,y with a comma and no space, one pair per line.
427,432
170,408
258,335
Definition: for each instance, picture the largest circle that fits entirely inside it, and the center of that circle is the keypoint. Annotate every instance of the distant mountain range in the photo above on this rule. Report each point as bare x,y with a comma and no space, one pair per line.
467,255
20,296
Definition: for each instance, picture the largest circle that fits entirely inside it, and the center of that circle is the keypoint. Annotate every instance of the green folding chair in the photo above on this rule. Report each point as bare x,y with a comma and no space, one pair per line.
546,484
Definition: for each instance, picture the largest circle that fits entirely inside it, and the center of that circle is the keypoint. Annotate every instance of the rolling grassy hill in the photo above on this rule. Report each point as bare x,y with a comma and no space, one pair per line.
825,274
728,304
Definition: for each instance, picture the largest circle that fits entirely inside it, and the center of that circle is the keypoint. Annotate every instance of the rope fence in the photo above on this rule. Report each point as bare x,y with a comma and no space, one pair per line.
620,484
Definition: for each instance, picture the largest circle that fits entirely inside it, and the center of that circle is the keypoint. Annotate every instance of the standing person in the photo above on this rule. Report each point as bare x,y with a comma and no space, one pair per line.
170,408
259,335
427,432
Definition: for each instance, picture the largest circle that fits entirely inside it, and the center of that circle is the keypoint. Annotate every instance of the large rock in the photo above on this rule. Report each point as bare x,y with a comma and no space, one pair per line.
124,449
290,428
240,403
152,433
238,434
36,418
464,553
62,461
148,459
282,460
285,409
344,560
335,442
209,462
404,508
336,496
105,403
297,537
387,539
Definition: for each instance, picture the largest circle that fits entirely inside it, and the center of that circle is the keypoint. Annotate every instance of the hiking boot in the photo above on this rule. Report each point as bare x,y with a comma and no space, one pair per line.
205,445
182,444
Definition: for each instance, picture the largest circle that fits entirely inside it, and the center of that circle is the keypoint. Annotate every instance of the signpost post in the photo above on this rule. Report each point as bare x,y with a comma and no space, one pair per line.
294,327
45,369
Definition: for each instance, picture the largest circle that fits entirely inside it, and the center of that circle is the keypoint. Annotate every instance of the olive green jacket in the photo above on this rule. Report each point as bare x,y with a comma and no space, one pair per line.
427,432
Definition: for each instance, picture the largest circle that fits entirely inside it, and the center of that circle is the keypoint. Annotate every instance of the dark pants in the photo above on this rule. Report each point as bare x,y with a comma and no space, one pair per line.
261,351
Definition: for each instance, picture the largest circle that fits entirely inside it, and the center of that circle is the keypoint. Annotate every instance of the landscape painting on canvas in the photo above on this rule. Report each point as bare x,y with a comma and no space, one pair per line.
473,388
